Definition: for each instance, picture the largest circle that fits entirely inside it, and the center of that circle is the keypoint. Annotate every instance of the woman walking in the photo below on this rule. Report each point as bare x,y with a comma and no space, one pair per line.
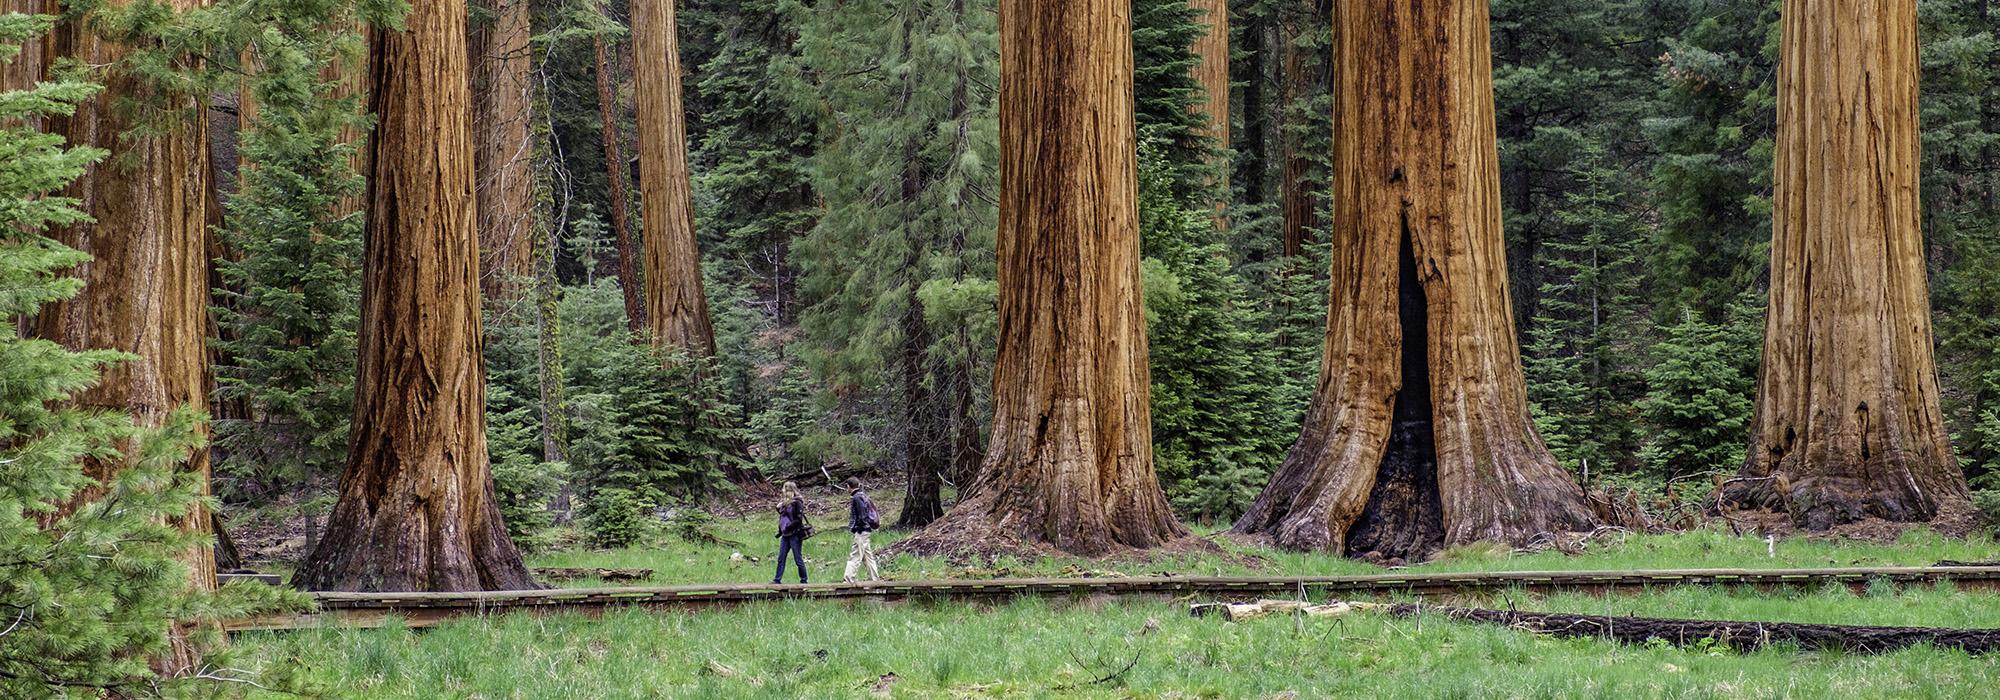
792,531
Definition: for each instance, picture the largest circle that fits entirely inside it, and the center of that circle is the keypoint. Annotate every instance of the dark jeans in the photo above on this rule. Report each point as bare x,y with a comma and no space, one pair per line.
795,546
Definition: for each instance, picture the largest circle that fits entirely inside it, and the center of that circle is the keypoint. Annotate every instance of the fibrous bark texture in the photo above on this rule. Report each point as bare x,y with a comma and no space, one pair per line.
1299,207
676,309
1420,407
1848,425
1212,71
1070,463
416,509
25,69
614,164
502,112
146,287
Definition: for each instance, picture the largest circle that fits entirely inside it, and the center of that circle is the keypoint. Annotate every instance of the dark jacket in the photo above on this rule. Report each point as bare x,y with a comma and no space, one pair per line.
792,518
857,514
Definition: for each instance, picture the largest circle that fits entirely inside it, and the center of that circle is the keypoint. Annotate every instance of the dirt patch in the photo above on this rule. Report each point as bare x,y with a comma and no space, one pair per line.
1955,523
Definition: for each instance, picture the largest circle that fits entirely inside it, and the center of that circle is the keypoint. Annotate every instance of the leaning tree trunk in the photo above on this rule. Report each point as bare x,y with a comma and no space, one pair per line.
1071,458
1848,425
502,115
676,309
416,509
614,164
1418,436
146,286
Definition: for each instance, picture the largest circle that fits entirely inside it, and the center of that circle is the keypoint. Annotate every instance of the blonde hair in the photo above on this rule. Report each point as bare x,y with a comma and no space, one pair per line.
790,491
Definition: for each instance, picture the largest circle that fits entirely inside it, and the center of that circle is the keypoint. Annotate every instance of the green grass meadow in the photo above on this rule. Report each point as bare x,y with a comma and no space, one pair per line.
1150,647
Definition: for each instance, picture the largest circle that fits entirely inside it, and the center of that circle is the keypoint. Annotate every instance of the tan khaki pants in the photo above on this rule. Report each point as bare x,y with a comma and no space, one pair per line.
863,554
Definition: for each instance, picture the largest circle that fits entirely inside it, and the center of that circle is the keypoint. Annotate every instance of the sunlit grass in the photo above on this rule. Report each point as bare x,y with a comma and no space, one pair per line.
1041,648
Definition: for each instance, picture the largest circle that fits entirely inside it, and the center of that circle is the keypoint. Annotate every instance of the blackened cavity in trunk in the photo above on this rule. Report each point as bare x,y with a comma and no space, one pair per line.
1404,518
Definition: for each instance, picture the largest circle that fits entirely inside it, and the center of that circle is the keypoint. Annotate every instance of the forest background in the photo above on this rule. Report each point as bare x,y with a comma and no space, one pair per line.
843,160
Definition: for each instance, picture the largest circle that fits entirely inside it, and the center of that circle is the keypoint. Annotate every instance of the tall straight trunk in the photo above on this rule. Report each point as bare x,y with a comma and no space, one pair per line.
352,83
416,509
1299,207
1071,459
676,308
502,112
1211,71
146,286
1254,150
1848,425
1418,436
926,425
614,164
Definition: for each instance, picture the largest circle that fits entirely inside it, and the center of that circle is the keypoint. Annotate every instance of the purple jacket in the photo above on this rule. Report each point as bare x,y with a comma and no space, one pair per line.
792,518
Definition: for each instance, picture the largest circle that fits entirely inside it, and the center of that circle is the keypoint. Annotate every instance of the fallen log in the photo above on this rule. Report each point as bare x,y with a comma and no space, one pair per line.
1742,636
1237,612
574,573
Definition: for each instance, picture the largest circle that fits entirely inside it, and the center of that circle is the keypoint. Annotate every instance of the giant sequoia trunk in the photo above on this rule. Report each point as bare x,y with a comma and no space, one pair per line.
501,107
1071,457
676,309
416,509
1418,436
614,164
1848,425
146,286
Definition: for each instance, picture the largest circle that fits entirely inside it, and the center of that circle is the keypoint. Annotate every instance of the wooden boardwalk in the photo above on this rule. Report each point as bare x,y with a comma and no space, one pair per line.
425,609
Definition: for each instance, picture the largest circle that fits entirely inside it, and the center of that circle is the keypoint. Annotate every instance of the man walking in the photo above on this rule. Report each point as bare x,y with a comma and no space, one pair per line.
862,520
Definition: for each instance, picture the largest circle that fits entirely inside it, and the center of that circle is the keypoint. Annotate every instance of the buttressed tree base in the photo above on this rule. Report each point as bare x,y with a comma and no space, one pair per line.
1419,436
1070,463
1848,425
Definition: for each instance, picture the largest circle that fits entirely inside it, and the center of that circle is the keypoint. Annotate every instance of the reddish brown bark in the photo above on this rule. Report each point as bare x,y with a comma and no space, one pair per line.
502,112
416,509
1212,73
1848,425
676,308
614,165
1299,209
146,286
1419,435
1070,464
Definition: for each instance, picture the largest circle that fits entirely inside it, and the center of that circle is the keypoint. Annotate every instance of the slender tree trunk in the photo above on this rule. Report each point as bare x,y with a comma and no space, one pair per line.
416,509
146,287
352,83
1848,425
502,115
1071,459
676,309
1254,152
926,427
1212,73
1299,208
614,164
1418,436
548,286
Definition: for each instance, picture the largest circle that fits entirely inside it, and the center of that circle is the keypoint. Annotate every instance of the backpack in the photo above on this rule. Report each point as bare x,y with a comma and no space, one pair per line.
870,518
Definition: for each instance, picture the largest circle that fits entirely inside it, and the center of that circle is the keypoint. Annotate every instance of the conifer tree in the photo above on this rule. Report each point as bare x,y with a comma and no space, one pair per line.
78,626
900,170
290,304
